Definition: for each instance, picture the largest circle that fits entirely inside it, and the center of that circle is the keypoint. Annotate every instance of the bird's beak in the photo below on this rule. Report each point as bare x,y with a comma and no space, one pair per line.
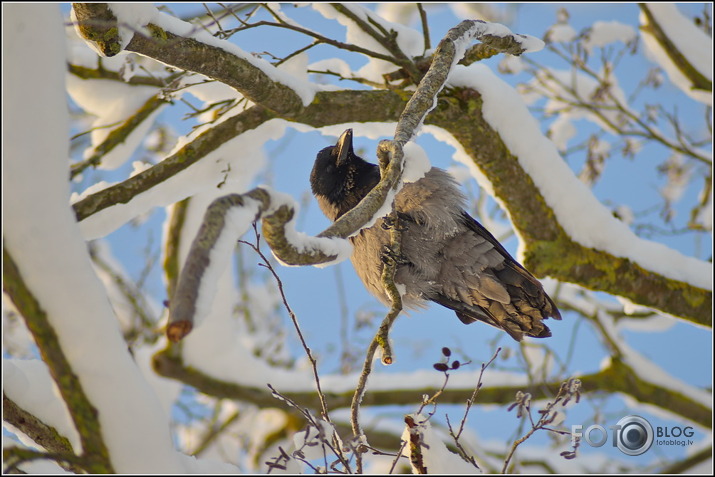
345,146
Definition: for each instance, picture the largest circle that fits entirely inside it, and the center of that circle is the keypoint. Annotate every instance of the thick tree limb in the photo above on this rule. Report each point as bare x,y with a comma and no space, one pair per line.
84,414
696,78
330,108
45,436
616,377
549,250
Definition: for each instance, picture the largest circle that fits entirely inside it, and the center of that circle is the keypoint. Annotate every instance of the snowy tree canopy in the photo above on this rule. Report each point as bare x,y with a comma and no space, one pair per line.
160,312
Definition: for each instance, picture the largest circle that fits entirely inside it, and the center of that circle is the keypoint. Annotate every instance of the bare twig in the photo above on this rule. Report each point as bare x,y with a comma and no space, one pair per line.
473,398
425,26
570,389
313,362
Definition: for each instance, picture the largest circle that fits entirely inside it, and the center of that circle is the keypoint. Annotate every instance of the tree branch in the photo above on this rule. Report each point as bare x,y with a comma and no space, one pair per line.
84,414
617,377
697,79
45,436
549,250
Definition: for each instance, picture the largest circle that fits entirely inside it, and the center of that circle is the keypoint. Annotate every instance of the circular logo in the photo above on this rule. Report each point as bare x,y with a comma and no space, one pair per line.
635,435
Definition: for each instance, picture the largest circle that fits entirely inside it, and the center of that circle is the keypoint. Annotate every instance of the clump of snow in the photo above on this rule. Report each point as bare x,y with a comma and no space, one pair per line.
604,33
408,39
131,18
704,216
562,131
647,369
561,33
134,19
461,174
28,383
480,11
625,213
399,12
334,65
112,103
304,243
416,162
236,162
567,88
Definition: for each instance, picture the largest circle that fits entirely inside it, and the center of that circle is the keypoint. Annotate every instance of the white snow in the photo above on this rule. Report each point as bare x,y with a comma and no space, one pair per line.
334,65
561,33
305,90
112,103
604,33
562,131
416,162
236,222
408,39
565,88
340,248
237,161
133,17
649,371
29,384
42,236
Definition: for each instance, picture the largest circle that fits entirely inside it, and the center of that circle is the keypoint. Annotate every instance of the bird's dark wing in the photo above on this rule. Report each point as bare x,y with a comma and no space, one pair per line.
481,281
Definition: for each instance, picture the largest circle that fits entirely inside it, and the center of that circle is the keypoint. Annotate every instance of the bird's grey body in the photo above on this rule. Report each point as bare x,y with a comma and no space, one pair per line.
446,256
430,221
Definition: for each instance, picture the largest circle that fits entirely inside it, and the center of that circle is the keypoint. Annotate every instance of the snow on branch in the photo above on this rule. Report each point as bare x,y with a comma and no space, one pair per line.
225,221
565,231
680,47
180,44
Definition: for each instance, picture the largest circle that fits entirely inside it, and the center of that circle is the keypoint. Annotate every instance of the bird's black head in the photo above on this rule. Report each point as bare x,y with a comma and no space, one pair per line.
340,178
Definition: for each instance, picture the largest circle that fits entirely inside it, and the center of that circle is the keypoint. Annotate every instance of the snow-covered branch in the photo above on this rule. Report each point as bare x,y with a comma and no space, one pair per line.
225,221
547,205
81,409
166,38
681,48
616,376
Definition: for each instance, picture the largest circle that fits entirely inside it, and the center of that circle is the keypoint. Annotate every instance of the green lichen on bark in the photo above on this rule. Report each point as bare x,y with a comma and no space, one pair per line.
97,23
597,270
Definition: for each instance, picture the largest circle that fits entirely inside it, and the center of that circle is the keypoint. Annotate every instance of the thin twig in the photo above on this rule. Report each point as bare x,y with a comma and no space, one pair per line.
306,348
318,37
425,26
569,390
473,398
294,319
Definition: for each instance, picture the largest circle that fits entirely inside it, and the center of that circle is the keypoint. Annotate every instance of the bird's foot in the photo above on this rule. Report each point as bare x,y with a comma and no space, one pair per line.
392,222
390,257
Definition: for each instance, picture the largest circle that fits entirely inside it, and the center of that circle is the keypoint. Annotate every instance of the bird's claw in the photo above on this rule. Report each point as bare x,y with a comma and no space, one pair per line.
392,222
389,257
